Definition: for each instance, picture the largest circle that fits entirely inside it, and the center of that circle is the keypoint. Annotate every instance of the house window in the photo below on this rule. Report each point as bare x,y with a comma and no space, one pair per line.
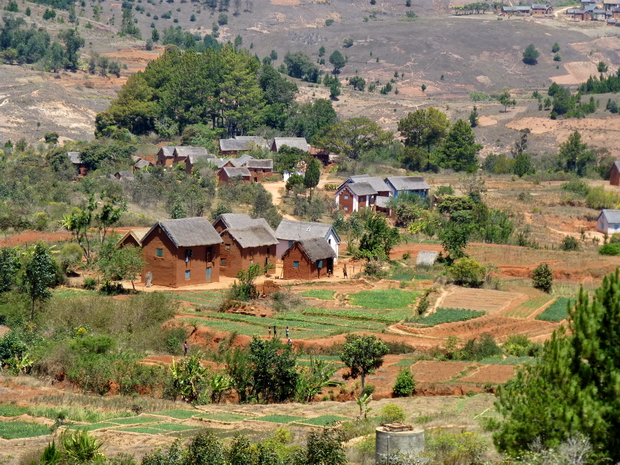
251,262
615,226
159,252
363,198
329,241
295,264
320,264
346,208
188,255
227,247
268,250
209,254
187,274
223,262
346,197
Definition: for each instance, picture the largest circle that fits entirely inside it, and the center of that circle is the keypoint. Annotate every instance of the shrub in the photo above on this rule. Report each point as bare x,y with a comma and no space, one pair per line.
519,345
368,390
610,249
467,272
477,349
542,278
392,413
569,244
576,186
405,383
90,284
599,198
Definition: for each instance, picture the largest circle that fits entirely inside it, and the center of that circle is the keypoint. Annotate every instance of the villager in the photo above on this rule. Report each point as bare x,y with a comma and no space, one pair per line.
185,347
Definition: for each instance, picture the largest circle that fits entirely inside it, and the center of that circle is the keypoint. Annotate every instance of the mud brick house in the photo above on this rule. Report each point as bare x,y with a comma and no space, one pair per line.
359,192
226,174
608,221
181,153
76,161
165,156
290,231
181,253
133,237
246,241
140,164
614,174
611,4
308,259
259,169
294,142
193,158
124,175
407,184
539,9
232,147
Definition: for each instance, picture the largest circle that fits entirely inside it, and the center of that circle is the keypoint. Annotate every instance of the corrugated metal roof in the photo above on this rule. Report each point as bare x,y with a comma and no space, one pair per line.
294,142
361,188
376,182
408,183
612,216
232,172
290,230
189,232
74,157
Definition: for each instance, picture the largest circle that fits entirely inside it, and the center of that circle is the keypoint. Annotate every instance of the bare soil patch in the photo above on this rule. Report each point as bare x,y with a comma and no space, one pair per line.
31,237
496,374
427,371
479,299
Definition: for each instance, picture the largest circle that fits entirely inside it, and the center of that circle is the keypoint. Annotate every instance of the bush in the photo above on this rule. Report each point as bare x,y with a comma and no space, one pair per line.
542,278
392,413
467,272
368,390
610,249
576,186
599,198
519,345
90,284
477,349
569,244
405,383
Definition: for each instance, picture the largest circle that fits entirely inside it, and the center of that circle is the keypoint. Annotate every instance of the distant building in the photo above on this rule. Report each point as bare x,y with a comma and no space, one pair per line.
290,231
232,147
124,175
181,252
614,174
133,237
608,221
76,161
359,192
226,174
308,259
165,156
407,184
295,142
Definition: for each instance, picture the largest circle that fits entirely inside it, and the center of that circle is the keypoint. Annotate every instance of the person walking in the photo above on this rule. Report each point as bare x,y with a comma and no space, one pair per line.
287,332
185,347
344,270
269,330
275,331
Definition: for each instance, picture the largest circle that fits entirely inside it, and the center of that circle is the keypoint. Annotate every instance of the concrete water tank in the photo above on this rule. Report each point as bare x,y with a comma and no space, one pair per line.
396,437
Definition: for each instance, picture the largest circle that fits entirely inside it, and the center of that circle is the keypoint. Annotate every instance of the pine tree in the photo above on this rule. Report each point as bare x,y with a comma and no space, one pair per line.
460,151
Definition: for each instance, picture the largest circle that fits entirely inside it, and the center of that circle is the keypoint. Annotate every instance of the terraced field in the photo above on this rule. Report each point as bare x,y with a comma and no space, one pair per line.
525,309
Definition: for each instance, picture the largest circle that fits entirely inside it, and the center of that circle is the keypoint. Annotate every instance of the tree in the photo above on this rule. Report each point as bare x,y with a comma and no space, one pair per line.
73,42
574,155
38,274
523,165
467,272
542,278
459,151
274,370
405,383
572,387
424,128
353,137
555,48
9,268
473,117
601,67
122,263
530,55
312,175
337,60
505,100
362,355
378,239
324,447
54,57
51,137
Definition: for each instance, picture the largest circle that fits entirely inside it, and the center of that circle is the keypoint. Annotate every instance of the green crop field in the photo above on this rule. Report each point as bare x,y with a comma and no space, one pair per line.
511,360
557,311
285,419
390,298
323,420
9,410
179,414
528,307
223,416
174,427
22,429
446,315
142,430
134,420
405,362
322,294
94,426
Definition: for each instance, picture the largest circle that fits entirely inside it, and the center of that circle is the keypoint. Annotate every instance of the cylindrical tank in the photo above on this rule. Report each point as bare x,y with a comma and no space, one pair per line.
398,438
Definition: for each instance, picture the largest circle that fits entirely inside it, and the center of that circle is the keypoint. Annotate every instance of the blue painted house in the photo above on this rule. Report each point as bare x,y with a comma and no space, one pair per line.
608,221
407,184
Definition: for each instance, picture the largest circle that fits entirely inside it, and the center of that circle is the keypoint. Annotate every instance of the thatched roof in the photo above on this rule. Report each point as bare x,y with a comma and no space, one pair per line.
235,220
316,249
248,232
266,164
189,232
232,172
137,233
142,163
185,151
290,230
294,142
242,143
167,151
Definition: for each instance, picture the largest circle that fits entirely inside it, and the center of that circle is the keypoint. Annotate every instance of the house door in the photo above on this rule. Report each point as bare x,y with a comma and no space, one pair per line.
209,274
330,266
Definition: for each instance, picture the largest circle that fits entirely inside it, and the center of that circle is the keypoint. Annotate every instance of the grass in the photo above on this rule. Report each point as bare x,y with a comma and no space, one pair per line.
323,420
285,419
322,294
179,414
93,427
447,315
227,417
528,307
134,420
174,427
142,430
390,298
510,360
22,429
557,311
8,410
405,362
402,276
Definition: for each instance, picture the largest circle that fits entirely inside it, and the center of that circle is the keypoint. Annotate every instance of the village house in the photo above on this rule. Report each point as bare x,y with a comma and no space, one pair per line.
308,259
608,221
232,147
517,10
133,237
124,175
611,4
246,241
259,169
76,161
294,142
226,174
383,190
181,252
407,184
578,14
193,158
352,197
165,156
539,9
614,174
140,163
290,231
